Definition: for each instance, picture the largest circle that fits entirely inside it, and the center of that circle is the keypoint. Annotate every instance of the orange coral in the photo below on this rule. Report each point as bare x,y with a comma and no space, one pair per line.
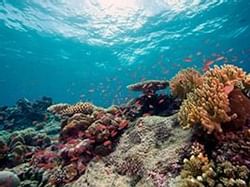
184,82
208,104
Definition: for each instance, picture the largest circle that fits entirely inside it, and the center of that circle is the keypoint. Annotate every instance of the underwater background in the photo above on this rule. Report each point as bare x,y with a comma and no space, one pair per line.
90,50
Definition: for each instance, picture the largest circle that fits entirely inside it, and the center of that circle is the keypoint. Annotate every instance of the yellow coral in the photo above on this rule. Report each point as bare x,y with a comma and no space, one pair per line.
85,108
197,171
208,104
184,82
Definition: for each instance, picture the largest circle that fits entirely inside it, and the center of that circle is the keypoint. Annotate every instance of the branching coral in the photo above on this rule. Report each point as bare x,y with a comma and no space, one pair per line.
209,104
184,82
198,171
232,175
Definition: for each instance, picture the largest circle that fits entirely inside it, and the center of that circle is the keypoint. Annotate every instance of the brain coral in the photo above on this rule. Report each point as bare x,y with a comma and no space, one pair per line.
208,104
184,82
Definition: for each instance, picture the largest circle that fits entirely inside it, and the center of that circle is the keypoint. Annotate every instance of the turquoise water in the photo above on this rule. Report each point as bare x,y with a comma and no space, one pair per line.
90,50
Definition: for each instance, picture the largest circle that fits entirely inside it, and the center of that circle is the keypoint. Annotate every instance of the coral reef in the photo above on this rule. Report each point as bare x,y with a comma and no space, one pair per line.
150,103
184,82
199,170
141,162
86,132
20,146
83,145
25,114
74,126
161,105
209,103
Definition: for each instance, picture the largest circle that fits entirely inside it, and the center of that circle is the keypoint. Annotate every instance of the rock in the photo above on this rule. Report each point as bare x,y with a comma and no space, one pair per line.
9,179
156,141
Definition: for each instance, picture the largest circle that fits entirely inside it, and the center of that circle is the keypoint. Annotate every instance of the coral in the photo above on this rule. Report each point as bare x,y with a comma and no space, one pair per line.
234,147
45,159
149,87
162,105
3,149
232,175
150,103
9,179
76,148
84,135
197,171
132,166
159,179
106,127
85,108
209,104
184,82
20,146
24,114
75,126
58,108
240,105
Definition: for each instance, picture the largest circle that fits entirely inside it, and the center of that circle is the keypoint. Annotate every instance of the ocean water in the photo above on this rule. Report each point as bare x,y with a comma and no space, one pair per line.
92,49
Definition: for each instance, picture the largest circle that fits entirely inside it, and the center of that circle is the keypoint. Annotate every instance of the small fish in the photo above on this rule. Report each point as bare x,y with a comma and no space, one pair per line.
207,65
91,90
198,53
138,103
161,101
106,143
113,133
219,58
188,60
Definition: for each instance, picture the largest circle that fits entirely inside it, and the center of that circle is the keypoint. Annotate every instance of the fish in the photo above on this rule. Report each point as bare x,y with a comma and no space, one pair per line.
188,60
219,58
207,65
198,53
161,101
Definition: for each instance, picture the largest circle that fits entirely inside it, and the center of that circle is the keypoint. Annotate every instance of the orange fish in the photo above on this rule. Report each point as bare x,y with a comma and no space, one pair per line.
207,65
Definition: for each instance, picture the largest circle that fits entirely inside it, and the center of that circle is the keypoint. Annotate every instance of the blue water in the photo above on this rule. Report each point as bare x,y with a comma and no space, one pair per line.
90,50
